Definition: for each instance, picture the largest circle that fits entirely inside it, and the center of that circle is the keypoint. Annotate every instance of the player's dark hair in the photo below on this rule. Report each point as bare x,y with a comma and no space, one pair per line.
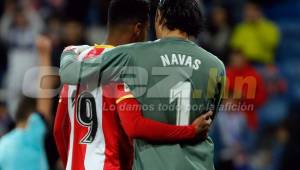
126,11
26,107
185,15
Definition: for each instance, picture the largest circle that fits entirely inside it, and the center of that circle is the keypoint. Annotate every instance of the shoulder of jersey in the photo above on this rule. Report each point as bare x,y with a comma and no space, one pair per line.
127,49
214,58
96,51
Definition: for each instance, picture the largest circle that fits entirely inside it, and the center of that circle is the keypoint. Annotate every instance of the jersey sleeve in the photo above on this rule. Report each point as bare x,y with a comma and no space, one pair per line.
220,88
62,126
136,126
122,92
103,67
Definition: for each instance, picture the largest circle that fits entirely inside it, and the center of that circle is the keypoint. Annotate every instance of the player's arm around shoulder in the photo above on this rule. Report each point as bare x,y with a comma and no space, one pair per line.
70,65
78,68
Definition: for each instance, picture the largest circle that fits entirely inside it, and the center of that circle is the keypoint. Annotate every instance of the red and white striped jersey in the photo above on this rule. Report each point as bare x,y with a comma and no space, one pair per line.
94,138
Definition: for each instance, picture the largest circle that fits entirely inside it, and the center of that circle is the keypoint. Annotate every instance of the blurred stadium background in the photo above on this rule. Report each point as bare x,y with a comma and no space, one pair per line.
260,39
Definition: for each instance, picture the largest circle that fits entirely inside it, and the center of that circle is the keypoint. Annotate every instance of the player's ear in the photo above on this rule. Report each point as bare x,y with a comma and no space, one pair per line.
138,29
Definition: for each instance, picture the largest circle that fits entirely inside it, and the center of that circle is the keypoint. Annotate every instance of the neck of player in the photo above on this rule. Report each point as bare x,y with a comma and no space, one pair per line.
115,37
166,33
113,40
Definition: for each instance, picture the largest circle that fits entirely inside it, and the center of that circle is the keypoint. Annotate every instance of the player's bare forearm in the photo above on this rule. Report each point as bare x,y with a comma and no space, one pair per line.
76,69
72,66
44,103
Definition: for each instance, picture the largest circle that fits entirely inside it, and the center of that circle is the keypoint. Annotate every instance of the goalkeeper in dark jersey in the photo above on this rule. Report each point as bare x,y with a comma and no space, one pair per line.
172,74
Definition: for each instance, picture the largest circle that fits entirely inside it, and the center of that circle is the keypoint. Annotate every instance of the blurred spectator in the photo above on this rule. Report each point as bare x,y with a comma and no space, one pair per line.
290,158
256,36
275,83
5,121
55,32
234,6
253,90
76,10
281,139
215,39
57,4
72,33
96,34
3,62
55,29
44,104
46,101
230,132
19,29
23,148
275,109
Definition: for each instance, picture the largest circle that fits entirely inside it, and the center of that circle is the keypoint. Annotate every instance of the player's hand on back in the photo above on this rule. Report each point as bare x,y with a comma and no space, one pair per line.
202,124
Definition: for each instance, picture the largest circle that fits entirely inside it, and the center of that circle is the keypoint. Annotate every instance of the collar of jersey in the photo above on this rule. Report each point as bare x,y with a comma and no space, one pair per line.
103,46
175,39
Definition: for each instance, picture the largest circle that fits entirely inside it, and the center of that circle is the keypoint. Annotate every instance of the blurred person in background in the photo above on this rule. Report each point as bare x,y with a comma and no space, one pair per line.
275,110
23,147
256,36
55,32
290,158
3,62
64,33
239,70
46,101
216,38
6,123
230,133
19,29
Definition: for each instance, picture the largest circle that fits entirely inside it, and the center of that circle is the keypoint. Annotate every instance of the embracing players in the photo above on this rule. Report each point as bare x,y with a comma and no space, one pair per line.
95,125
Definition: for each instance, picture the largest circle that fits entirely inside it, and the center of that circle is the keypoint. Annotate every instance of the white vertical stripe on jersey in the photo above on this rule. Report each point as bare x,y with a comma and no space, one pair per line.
95,151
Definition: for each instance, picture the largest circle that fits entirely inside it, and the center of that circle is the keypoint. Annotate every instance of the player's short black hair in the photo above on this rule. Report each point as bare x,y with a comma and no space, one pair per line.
124,11
185,15
26,107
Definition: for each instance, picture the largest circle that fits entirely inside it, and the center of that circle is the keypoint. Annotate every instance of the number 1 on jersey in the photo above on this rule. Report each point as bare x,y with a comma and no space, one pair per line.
182,93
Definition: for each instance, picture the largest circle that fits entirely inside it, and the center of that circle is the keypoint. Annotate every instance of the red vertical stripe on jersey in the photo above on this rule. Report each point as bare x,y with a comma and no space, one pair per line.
107,114
118,147
62,126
